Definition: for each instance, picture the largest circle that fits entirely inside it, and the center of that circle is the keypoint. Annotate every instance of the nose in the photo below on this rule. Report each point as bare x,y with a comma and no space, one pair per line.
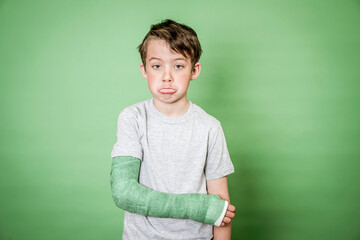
167,77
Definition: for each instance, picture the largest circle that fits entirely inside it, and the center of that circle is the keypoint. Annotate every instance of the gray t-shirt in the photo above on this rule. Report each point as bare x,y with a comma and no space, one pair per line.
178,155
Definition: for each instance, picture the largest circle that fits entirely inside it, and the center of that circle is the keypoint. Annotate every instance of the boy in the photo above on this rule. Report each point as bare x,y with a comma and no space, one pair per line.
181,149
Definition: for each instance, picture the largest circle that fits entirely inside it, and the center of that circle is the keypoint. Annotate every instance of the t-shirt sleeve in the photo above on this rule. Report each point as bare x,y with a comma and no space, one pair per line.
218,162
128,140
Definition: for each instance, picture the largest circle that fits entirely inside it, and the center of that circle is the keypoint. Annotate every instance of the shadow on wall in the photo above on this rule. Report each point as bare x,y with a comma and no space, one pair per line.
225,99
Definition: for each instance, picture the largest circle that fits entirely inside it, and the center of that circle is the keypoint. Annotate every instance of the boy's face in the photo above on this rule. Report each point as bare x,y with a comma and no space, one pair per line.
168,73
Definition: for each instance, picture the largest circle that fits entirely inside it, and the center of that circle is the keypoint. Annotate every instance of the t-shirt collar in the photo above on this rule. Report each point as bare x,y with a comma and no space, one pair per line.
167,118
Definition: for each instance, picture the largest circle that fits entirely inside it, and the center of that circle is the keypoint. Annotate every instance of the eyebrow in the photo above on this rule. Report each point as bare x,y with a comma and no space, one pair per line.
155,58
180,59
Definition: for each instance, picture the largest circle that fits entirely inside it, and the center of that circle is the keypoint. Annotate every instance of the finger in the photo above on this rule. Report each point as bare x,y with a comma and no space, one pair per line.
231,208
222,224
230,214
226,220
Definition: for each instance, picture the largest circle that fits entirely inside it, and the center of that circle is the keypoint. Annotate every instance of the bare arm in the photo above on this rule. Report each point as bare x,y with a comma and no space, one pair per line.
220,188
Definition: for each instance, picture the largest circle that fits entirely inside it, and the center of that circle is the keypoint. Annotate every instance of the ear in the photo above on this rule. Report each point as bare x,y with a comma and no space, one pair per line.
196,71
143,70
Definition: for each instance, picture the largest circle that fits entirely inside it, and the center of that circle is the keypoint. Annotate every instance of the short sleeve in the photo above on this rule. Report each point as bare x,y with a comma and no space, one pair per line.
218,162
128,139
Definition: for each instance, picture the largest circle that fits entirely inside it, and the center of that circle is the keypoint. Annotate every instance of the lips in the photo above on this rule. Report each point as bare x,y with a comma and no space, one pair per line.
167,90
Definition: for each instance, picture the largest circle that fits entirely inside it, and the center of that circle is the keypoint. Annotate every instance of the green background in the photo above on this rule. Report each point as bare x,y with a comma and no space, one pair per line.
281,76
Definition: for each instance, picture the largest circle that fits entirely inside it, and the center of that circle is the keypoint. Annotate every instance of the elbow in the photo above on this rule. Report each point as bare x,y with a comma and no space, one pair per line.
119,202
118,188
118,195
126,195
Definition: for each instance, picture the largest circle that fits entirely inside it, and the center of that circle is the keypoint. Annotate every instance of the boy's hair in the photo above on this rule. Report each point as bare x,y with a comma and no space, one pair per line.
181,39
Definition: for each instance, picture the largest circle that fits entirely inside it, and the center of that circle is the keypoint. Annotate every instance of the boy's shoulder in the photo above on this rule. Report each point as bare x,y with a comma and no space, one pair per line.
136,108
133,112
204,117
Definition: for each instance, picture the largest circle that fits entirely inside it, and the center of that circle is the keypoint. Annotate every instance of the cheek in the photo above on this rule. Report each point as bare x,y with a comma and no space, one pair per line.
151,76
151,82
184,79
186,74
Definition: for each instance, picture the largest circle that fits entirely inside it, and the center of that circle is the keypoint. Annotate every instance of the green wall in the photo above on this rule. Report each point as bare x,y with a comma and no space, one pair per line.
283,77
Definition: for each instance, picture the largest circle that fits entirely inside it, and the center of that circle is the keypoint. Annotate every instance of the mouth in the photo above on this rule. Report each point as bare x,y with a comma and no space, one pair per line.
167,90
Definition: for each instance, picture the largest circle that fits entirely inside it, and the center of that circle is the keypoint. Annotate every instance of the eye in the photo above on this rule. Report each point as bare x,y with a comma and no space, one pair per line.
156,67
179,66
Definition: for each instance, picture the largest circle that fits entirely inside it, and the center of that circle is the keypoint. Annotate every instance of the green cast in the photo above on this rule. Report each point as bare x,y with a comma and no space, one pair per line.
130,195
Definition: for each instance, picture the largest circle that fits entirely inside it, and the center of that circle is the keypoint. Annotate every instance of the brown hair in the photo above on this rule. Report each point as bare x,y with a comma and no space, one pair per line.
181,39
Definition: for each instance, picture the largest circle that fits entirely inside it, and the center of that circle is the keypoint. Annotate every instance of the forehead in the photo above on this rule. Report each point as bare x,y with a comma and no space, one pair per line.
157,48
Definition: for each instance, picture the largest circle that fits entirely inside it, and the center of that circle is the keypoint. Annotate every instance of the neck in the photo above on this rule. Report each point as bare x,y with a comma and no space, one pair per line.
175,109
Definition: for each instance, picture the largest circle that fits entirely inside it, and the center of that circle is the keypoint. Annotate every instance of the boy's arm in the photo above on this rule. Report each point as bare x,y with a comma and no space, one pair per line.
133,197
220,188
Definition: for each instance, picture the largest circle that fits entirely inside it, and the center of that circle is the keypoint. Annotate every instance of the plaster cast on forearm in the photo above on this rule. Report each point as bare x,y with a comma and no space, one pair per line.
130,195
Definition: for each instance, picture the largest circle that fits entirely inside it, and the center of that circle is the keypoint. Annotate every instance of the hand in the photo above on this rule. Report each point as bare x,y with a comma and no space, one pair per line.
229,215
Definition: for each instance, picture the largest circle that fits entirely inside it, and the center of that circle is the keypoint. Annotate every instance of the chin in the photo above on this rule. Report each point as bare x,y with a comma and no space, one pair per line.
166,99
